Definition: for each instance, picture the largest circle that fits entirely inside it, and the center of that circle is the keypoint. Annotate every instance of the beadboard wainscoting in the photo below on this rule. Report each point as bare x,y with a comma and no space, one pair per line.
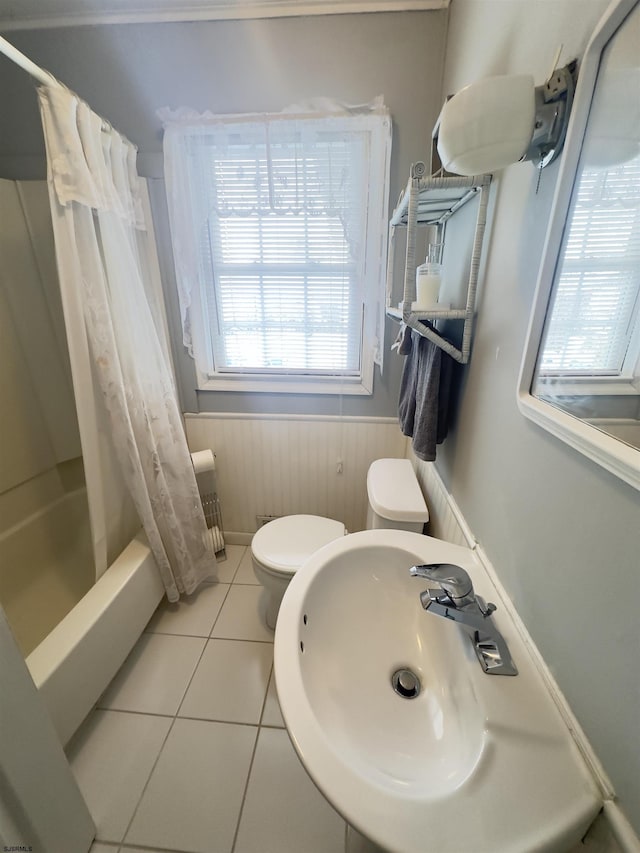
445,519
285,464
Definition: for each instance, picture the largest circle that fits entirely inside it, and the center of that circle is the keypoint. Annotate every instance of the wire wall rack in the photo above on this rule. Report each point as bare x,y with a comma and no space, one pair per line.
433,200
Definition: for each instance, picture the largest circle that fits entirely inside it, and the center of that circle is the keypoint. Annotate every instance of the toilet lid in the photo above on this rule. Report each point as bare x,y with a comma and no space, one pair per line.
284,544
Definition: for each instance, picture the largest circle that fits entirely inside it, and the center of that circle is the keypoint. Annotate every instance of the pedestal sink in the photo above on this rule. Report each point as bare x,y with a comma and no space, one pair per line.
474,763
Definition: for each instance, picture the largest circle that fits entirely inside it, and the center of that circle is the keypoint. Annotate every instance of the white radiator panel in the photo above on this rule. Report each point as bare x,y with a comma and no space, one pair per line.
282,465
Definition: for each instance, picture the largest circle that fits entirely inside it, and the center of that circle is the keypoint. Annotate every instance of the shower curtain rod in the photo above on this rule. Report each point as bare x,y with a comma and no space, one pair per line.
35,71
24,62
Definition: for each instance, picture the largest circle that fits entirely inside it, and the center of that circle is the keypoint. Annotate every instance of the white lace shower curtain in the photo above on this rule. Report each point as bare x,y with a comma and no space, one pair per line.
96,210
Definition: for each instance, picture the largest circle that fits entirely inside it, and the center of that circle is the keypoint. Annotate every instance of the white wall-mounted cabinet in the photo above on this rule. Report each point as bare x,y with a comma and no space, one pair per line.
432,201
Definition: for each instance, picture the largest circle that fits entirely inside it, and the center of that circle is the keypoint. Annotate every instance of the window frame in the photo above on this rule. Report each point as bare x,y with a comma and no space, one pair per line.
621,380
615,456
598,383
211,378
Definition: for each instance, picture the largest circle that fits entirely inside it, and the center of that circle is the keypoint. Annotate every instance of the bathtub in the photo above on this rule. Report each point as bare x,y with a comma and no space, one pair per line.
74,664
75,632
46,564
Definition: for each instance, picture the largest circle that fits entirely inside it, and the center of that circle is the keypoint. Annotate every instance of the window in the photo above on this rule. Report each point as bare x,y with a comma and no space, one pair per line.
592,332
279,231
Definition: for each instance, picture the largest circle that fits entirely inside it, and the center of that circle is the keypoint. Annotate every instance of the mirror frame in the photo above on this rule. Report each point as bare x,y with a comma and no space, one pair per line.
614,455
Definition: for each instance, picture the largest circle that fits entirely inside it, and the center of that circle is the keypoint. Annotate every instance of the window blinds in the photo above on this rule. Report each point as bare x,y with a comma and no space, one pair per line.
597,290
285,243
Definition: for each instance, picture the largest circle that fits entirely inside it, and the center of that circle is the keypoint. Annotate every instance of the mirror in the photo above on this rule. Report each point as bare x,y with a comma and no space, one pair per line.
580,376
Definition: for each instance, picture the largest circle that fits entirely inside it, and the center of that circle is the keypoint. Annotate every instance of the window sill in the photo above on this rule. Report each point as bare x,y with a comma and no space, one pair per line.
588,386
288,385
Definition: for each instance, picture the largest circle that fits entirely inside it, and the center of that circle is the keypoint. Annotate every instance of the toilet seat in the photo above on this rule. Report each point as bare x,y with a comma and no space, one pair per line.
284,544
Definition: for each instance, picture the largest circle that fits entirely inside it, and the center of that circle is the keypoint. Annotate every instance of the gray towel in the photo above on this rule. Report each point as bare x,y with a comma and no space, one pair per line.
402,342
425,390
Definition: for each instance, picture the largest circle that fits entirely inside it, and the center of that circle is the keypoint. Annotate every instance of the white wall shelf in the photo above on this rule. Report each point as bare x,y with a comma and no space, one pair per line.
433,201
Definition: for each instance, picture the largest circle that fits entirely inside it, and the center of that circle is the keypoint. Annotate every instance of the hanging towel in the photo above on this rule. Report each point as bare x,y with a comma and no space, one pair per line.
402,342
425,390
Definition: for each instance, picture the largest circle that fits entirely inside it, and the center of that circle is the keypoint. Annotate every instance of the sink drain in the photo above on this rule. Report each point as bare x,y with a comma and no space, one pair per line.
405,683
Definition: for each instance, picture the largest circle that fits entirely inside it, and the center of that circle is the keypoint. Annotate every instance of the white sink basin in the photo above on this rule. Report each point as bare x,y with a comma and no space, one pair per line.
475,762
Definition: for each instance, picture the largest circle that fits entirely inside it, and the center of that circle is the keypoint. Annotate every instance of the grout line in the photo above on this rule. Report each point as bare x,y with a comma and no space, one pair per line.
242,556
224,600
195,669
139,713
219,721
197,719
253,755
266,695
146,784
246,788
176,634
126,847
204,646
241,640
211,637
179,634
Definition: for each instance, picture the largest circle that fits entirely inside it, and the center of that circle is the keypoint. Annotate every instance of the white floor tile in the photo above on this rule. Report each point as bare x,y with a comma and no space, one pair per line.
226,569
194,795
283,811
272,716
193,615
112,756
245,573
155,676
230,682
243,615
97,847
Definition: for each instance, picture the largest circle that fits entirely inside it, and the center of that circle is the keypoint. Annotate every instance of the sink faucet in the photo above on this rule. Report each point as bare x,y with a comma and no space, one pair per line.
455,599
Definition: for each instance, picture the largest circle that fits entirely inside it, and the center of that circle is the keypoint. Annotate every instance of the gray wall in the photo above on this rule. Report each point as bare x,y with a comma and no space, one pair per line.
127,72
563,534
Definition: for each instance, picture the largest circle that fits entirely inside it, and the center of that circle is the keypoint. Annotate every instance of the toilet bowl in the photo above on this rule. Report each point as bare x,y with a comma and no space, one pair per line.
283,545
280,547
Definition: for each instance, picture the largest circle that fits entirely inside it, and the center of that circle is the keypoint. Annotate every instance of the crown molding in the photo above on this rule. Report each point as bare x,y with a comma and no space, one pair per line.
34,14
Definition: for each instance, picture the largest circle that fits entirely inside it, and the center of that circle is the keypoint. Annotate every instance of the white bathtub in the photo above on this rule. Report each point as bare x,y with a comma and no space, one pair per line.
74,664
46,565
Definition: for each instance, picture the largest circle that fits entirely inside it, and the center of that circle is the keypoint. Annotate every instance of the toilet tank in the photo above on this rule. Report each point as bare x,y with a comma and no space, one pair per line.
395,499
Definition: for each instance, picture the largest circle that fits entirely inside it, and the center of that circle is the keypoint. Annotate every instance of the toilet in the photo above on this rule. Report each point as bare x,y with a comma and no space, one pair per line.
280,547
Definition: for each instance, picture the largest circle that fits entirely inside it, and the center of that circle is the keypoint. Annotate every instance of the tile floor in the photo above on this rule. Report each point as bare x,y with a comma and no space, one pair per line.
187,751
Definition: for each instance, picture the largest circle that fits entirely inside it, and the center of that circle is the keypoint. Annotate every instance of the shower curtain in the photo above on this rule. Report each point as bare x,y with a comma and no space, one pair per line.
96,212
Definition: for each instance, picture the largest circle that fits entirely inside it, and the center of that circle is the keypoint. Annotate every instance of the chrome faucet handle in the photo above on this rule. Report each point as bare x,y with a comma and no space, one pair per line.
456,600
454,580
